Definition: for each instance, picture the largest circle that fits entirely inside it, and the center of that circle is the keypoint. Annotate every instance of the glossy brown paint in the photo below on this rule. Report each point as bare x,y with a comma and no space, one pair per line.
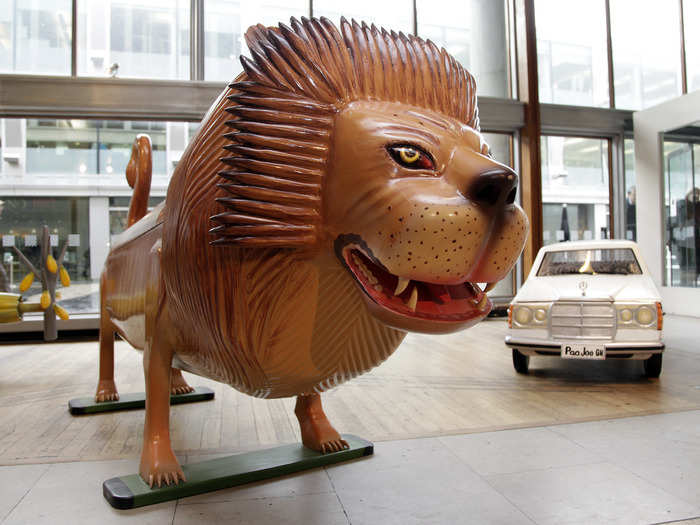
246,274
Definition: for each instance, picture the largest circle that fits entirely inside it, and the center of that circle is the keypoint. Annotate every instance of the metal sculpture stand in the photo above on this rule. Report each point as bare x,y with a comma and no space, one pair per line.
128,492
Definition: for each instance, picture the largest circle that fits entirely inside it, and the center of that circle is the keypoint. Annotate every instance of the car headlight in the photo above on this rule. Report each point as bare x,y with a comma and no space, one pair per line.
626,315
645,316
523,315
532,315
639,316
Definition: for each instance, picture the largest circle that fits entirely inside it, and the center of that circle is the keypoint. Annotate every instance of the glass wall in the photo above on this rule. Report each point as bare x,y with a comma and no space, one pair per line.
474,32
572,58
501,146
396,15
119,213
682,203
225,23
630,192
691,21
646,52
89,146
130,38
70,175
35,37
21,222
575,189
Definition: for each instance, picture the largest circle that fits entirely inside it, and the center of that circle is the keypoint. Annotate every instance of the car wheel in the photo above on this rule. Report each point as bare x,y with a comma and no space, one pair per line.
520,361
652,366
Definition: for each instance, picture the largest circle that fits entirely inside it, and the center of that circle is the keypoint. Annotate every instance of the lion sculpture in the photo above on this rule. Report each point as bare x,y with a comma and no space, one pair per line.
337,194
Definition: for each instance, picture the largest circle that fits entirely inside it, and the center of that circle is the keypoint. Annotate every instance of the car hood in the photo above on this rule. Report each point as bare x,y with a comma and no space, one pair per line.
620,288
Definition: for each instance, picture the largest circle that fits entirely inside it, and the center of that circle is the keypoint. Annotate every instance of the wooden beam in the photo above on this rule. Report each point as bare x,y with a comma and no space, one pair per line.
528,93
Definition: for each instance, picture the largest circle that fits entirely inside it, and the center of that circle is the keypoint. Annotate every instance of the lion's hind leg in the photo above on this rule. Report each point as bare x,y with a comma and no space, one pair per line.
178,384
317,433
106,388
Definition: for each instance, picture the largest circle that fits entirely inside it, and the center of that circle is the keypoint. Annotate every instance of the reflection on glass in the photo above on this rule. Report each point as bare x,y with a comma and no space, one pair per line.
682,204
119,213
225,23
130,38
21,218
646,52
89,147
35,36
575,191
691,21
630,192
396,15
474,32
572,57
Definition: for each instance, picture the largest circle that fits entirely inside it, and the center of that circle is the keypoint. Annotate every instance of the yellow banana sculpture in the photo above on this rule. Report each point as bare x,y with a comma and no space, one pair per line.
60,312
65,278
26,282
45,300
51,264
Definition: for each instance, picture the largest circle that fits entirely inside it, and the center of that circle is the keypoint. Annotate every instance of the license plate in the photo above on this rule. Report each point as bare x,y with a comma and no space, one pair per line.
582,351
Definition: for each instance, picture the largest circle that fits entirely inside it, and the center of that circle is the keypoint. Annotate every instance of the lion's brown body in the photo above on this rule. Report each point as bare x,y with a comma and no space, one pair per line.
291,226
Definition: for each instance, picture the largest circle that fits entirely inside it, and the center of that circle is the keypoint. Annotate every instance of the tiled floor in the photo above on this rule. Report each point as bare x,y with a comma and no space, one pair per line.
633,470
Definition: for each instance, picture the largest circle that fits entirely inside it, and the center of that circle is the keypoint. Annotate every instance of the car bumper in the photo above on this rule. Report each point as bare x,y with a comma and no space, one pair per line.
616,350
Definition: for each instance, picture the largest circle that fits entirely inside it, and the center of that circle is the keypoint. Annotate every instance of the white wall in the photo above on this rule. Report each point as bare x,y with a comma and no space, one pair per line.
649,125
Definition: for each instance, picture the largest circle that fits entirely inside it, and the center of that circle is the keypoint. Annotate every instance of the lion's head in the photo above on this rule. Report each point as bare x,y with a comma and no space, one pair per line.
366,143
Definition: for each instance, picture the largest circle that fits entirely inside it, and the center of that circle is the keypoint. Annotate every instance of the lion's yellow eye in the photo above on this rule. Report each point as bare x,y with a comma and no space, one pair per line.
408,155
412,157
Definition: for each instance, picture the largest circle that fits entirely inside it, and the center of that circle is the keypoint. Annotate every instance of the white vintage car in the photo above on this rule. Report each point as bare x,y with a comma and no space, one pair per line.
587,300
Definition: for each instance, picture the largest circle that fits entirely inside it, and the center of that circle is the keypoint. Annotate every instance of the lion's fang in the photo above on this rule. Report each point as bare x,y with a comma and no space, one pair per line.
401,285
413,300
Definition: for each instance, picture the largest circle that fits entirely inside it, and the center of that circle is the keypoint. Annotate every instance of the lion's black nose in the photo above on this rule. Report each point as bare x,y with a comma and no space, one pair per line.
495,186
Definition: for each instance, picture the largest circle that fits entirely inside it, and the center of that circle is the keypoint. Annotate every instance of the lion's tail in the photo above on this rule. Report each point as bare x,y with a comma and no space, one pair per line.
138,175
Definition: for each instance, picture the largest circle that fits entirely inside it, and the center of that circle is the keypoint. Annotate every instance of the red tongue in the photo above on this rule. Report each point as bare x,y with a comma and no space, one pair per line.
439,291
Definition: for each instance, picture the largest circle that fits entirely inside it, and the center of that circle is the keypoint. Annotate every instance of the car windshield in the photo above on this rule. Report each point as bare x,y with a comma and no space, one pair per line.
617,261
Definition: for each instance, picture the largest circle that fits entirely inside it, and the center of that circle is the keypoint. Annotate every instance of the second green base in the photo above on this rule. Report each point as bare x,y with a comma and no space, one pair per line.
87,405
131,491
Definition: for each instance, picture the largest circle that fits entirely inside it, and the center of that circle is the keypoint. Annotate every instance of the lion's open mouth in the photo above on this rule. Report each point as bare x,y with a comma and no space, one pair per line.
437,302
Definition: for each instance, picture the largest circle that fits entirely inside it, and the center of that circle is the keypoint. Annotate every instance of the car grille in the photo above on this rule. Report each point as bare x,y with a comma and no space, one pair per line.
583,320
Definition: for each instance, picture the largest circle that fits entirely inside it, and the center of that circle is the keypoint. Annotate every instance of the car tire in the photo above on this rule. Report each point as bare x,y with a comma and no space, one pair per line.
521,362
652,366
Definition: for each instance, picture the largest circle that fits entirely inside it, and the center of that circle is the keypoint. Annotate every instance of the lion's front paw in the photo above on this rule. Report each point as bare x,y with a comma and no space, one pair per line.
106,391
160,468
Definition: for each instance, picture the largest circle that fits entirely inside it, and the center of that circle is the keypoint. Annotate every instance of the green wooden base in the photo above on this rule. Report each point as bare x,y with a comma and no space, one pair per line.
87,405
131,491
